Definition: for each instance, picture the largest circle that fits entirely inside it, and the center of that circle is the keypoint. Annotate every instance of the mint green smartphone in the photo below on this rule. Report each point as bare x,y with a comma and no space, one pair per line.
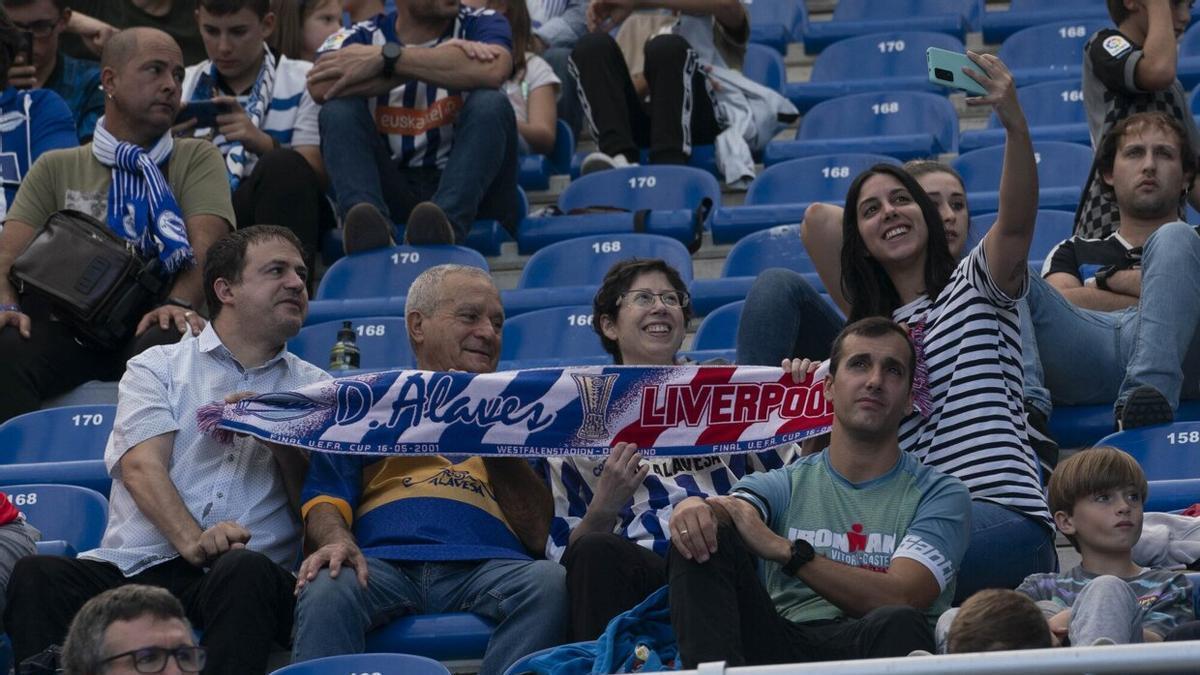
945,68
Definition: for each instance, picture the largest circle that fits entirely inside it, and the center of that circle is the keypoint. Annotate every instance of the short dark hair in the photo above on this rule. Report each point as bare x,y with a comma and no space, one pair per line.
1106,154
617,282
224,7
83,651
872,327
1090,471
227,257
60,5
997,619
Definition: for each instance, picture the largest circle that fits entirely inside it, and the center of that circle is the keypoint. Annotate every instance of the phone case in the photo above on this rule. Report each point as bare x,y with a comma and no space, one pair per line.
945,69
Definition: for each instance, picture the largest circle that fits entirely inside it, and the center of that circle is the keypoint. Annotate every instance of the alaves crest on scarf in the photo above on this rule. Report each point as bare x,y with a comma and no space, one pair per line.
666,411
256,109
141,207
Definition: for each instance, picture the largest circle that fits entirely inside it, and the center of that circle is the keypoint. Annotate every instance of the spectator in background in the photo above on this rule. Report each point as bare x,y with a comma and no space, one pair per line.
362,10
141,72
17,539
214,524
93,22
77,81
1130,69
269,132
409,535
131,629
302,26
993,620
415,127
557,27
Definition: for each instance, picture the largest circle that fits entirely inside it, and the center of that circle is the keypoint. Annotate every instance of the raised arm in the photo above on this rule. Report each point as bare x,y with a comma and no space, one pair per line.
1155,71
821,233
357,70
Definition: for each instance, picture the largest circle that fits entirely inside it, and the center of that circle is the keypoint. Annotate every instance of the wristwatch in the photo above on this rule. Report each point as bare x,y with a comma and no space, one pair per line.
391,56
802,554
1102,276
179,302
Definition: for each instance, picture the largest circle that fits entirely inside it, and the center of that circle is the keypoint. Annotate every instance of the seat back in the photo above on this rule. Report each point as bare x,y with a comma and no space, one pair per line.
634,188
1189,42
382,342
822,178
364,664
1056,46
1058,165
557,332
719,329
57,434
1049,103
785,14
777,247
1165,452
867,10
388,272
584,261
763,64
878,114
880,55
67,513
1052,227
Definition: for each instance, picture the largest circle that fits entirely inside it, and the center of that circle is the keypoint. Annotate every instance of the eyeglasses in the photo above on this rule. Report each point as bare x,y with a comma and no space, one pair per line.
154,659
645,299
39,28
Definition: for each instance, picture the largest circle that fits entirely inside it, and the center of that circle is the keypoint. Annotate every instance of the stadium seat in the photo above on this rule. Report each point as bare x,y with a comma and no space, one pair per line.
70,518
673,197
773,22
455,639
1052,51
999,24
719,329
1084,425
556,336
1051,228
861,17
903,124
57,445
764,65
777,247
569,272
781,193
1062,170
1170,456
382,342
1187,70
885,61
389,271
1054,111
534,171
366,664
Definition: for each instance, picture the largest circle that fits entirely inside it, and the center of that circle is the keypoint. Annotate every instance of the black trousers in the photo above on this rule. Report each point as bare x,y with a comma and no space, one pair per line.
283,189
244,603
607,574
721,611
52,361
680,113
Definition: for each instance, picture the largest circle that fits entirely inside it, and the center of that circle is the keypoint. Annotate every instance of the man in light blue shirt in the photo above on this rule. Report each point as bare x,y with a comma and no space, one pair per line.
215,524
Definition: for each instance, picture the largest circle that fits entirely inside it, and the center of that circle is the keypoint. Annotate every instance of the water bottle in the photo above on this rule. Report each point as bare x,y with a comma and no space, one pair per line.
345,354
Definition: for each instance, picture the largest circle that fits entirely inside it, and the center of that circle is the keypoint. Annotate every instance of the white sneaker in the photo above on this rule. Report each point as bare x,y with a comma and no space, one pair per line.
598,161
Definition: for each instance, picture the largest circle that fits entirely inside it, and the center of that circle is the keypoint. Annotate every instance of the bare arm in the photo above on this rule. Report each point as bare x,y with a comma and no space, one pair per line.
145,472
1156,69
357,70
821,233
1089,297
332,543
524,499
540,130
202,230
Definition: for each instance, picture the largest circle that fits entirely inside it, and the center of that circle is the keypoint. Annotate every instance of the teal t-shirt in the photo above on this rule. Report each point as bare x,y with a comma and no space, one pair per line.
912,511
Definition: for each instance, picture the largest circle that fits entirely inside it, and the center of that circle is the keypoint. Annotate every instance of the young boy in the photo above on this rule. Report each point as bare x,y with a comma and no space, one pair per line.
1096,497
996,619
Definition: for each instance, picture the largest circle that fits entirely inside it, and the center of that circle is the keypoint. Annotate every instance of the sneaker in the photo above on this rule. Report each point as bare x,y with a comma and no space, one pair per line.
428,225
1038,429
598,161
1145,407
365,229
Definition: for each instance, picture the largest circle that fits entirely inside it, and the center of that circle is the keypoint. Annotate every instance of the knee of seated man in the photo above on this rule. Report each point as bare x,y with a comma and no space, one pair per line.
592,546
241,565
666,48
491,103
592,46
1176,235
547,579
339,111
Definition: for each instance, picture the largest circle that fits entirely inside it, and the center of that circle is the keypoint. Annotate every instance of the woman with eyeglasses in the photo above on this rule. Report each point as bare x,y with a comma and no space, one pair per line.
611,514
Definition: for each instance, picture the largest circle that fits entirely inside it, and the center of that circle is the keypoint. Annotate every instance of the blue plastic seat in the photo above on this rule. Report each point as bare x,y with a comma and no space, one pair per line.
775,247
764,65
1052,51
455,638
382,342
781,193
1062,170
719,328
1187,69
363,664
885,61
534,171
552,337
70,518
1054,111
773,22
670,194
861,17
390,271
1084,425
902,124
1051,229
57,445
998,25
1170,456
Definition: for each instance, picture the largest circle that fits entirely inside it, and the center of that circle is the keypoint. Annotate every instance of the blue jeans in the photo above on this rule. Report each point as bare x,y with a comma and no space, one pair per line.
785,317
479,179
526,599
1006,546
1094,357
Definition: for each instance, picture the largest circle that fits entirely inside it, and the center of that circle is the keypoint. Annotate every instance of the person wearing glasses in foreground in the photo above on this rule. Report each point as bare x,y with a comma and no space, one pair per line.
611,514
131,629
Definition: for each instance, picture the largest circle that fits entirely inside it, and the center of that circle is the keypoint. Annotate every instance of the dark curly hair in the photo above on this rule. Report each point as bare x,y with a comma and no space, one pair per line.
619,280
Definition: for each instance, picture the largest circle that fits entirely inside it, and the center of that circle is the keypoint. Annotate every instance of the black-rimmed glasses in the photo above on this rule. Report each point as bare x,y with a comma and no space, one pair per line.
645,299
154,659
39,29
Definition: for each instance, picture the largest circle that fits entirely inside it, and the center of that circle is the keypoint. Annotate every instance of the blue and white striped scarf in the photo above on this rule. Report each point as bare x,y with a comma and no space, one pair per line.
141,208
256,108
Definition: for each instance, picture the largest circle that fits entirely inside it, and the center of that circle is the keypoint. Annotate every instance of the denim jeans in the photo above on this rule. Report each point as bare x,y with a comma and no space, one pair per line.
526,599
785,317
479,179
1006,546
1095,357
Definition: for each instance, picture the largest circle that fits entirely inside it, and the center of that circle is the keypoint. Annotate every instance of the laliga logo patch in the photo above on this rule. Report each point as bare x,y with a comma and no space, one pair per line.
10,121
335,41
1116,45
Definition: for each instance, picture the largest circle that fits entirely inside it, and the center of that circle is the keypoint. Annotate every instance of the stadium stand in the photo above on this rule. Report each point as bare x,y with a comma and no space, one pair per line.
887,61
998,25
389,271
1187,71
555,336
719,329
903,124
1052,228
57,445
764,66
535,170
367,663
1168,454
1054,111
382,342
774,22
1062,170
70,518
776,247
1049,52
860,17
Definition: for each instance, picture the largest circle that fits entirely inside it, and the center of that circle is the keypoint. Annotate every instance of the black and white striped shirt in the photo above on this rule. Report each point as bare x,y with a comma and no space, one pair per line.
976,429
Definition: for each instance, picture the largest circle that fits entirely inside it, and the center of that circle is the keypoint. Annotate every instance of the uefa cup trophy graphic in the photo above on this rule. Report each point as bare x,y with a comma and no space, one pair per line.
594,392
